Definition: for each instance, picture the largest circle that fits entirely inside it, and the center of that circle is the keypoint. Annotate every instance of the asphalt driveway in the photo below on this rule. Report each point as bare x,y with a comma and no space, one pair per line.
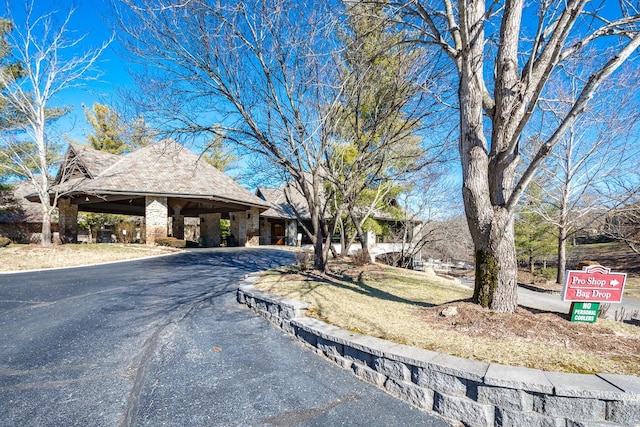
162,342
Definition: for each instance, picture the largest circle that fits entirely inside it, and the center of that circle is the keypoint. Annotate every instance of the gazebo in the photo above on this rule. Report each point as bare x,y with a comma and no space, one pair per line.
157,182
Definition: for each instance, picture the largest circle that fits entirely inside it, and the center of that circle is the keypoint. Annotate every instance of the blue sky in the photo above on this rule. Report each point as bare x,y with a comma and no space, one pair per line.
88,20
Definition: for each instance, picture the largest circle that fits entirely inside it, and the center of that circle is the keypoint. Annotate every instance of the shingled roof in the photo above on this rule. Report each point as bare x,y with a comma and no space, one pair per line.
15,208
82,161
162,169
280,208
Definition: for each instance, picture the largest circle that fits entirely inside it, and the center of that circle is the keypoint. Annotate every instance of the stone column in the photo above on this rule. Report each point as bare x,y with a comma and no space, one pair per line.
292,232
238,228
67,220
265,231
210,230
156,218
253,227
177,223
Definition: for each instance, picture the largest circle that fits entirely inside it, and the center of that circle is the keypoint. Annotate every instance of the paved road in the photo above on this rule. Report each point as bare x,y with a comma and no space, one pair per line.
162,342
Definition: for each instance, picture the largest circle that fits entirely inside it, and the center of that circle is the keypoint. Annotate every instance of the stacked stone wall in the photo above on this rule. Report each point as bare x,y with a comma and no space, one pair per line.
253,227
462,391
210,230
156,218
68,220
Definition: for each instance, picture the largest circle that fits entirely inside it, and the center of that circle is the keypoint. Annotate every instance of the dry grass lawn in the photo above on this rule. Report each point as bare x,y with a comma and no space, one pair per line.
29,257
406,307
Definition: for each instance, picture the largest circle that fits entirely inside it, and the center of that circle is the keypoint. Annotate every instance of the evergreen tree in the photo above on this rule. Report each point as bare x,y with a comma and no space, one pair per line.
107,130
375,140
534,235
113,134
217,154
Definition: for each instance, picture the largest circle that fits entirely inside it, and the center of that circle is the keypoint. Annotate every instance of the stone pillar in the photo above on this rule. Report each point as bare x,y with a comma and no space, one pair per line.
67,220
156,216
210,230
265,231
177,224
253,227
238,228
292,232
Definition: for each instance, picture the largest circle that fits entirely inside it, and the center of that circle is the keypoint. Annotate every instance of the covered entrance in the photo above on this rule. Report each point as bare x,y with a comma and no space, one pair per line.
164,183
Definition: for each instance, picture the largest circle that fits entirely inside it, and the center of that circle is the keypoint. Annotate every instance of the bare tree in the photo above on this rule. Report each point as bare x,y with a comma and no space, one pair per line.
264,75
623,222
505,53
52,61
381,117
591,153
258,74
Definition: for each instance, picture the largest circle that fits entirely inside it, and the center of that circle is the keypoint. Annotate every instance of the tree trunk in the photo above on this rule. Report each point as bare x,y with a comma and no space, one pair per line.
319,260
319,257
487,181
45,236
496,268
562,254
364,243
532,267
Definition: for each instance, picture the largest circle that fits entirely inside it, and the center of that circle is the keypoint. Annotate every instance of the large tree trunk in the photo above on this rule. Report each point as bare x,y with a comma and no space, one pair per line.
496,266
562,254
319,259
488,170
319,256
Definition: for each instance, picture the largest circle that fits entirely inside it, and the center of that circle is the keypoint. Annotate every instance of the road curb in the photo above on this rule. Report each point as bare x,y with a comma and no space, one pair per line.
90,265
538,289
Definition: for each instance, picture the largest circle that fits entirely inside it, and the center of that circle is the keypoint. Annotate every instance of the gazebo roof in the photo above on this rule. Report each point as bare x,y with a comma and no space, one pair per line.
100,182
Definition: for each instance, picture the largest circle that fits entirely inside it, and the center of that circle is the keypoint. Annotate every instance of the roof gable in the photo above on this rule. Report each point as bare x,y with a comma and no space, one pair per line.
84,162
165,168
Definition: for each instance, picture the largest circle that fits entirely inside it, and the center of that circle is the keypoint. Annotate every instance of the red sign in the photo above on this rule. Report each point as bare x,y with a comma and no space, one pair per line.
593,283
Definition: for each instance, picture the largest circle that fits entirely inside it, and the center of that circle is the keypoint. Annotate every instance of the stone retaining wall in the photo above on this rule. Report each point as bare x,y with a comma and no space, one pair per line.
460,390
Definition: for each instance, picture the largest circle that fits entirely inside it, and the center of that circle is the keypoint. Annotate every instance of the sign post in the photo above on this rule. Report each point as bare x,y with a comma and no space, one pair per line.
588,287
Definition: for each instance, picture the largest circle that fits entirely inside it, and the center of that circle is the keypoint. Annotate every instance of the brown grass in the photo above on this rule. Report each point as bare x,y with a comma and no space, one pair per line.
405,307
29,257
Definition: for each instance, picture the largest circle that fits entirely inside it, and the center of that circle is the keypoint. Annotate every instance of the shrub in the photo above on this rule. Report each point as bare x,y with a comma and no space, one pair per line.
302,259
547,273
360,258
130,231
171,242
4,241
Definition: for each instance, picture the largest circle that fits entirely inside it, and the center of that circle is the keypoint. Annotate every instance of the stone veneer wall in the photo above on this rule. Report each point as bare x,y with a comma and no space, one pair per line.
68,220
245,227
292,232
210,230
238,227
253,227
156,218
463,391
